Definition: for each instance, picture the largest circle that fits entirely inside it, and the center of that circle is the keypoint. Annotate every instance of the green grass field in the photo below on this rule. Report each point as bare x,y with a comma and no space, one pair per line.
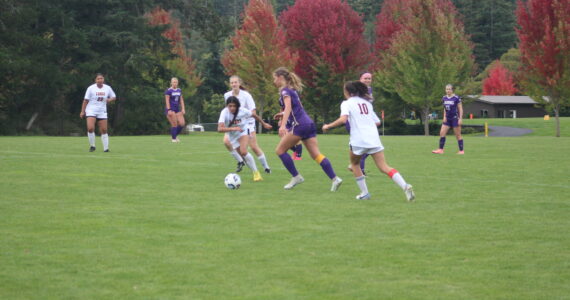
153,220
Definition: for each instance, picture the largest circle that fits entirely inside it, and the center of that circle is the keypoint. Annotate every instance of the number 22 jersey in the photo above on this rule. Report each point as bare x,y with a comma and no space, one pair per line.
97,98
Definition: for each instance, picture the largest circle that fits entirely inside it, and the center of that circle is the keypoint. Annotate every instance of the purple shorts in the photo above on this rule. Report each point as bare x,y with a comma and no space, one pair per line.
305,131
174,110
452,122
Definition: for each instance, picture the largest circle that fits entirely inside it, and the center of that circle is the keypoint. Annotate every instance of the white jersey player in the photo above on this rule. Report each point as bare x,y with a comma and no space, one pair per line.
246,102
233,121
364,138
95,109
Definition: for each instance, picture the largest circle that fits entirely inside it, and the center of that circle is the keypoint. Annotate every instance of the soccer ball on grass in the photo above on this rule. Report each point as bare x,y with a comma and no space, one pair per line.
232,181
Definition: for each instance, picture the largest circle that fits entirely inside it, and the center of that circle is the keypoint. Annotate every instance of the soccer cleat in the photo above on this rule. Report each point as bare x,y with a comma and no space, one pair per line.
91,149
461,152
410,193
337,181
240,165
268,170
257,176
438,151
175,141
106,150
294,181
295,157
363,196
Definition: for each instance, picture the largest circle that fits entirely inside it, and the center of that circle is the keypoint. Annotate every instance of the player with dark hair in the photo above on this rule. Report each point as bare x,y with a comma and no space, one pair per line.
247,102
365,78
364,138
296,125
233,122
94,108
452,118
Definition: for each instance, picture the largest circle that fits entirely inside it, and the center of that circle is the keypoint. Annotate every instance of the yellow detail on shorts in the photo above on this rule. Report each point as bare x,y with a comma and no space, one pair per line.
319,159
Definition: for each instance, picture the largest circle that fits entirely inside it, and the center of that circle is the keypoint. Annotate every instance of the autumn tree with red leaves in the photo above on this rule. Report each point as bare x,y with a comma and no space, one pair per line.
181,64
429,50
258,49
328,37
500,81
544,34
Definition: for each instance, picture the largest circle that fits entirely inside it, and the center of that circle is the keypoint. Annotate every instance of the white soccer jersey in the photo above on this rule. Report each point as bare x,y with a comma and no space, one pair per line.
363,119
245,100
226,117
97,97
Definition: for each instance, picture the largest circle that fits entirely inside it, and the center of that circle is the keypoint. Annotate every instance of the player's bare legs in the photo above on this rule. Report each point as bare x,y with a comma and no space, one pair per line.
91,132
312,146
104,136
442,134
258,152
234,153
380,161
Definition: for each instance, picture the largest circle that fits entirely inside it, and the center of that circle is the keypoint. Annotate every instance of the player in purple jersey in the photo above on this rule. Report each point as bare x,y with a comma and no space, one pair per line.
452,118
175,109
365,78
94,108
302,128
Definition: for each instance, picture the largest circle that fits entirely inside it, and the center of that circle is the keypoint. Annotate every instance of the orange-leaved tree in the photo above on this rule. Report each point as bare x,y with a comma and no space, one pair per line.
258,49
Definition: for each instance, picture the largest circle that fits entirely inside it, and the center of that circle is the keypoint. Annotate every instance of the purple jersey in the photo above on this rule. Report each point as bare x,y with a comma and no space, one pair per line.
175,95
298,115
450,105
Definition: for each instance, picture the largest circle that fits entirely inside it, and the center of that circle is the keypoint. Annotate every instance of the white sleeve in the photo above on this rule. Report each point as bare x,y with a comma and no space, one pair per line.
88,94
223,115
344,108
375,117
111,94
250,102
227,95
246,112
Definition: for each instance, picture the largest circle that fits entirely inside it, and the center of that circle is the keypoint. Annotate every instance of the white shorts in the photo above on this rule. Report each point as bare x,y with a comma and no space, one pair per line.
361,150
234,138
96,113
251,128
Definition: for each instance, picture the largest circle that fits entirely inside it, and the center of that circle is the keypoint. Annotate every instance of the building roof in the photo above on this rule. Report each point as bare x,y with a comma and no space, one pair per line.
506,99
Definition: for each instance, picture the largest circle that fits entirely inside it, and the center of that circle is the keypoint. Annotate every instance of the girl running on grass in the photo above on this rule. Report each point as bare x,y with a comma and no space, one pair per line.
364,138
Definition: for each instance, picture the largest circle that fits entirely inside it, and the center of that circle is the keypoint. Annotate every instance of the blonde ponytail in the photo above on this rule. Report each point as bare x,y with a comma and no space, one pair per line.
291,78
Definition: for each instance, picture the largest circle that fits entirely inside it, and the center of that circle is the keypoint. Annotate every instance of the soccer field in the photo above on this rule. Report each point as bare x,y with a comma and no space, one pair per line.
153,220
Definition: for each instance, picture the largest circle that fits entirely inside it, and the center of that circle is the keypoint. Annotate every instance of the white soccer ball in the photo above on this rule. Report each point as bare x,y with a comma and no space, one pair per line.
232,181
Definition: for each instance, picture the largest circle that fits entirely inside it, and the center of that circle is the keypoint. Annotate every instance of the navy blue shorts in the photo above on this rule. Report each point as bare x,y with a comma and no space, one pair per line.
305,131
174,110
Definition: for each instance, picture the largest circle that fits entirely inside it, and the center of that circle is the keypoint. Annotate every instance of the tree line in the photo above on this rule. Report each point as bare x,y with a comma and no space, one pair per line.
50,51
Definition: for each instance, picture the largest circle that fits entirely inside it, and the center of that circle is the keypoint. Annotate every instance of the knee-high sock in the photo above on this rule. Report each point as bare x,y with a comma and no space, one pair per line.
236,155
299,150
263,160
362,163
326,165
250,162
361,182
397,178
179,129
173,132
289,164
441,142
460,142
105,139
91,136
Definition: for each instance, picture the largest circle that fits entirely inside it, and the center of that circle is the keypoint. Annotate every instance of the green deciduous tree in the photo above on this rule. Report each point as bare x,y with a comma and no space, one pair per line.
429,51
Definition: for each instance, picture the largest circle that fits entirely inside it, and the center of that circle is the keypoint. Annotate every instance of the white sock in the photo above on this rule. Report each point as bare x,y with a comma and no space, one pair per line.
91,136
250,162
399,180
105,139
263,161
236,155
361,182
